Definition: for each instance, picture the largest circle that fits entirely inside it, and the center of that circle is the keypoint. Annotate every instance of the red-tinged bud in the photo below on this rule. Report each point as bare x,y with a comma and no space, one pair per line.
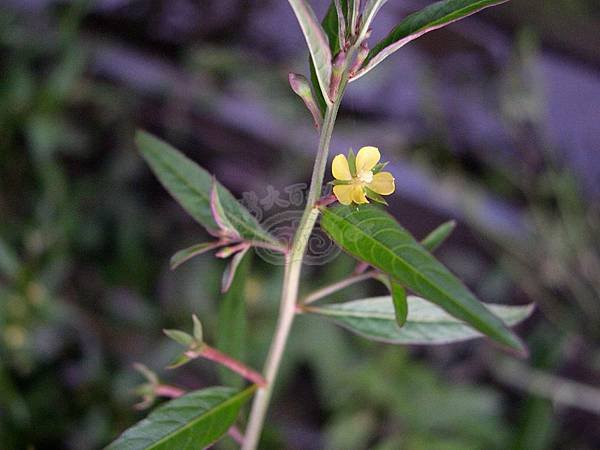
362,54
337,70
301,87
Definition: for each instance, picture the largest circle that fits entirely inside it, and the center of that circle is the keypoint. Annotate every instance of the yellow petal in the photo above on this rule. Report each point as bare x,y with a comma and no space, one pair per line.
383,183
343,193
358,194
367,158
340,168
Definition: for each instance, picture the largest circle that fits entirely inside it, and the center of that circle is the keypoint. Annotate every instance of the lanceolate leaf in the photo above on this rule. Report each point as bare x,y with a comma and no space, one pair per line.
191,422
317,42
399,301
231,268
438,236
427,324
188,253
190,184
431,18
372,235
233,323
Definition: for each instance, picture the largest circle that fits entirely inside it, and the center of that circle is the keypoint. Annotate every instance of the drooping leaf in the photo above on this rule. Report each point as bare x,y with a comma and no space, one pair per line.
426,323
232,323
188,253
190,185
318,44
399,301
231,268
372,235
191,422
434,16
438,236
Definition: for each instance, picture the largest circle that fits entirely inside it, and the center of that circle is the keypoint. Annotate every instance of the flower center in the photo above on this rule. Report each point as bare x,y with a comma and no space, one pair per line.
365,176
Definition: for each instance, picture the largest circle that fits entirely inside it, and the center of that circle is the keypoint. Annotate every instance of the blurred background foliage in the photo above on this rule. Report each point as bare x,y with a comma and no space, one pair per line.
493,121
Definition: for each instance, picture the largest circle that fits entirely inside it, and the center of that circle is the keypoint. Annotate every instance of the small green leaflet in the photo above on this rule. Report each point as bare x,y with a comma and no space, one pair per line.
434,16
399,301
191,185
438,236
191,422
372,235
427,324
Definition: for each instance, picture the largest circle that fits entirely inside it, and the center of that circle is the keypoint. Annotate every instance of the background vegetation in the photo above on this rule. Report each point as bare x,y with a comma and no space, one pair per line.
493,121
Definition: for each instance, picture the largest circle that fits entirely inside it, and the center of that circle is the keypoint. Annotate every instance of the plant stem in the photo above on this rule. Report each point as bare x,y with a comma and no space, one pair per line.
337,286
291,278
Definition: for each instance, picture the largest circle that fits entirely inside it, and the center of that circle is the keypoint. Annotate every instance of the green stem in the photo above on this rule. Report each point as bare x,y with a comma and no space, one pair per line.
291,279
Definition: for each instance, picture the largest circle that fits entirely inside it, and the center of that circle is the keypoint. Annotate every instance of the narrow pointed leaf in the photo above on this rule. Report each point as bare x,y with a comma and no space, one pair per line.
191,422
371,9
179,361
190,184
438,236
233,323
331,27
318,44
218,212
188,253
198,334
426,324
373,236
181,337
434,16
231,268
399,301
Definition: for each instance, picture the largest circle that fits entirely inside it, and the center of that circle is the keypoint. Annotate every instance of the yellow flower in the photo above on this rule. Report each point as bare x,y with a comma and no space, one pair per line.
357,178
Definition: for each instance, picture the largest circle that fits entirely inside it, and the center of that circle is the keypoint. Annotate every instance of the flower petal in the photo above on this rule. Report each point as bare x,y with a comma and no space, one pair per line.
343,192
358,194
340,169
383,183
367,158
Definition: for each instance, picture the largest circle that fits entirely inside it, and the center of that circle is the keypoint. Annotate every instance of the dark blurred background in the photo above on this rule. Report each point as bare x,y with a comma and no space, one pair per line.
493,121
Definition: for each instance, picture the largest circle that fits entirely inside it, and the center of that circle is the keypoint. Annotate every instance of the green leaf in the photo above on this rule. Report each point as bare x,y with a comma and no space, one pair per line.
438,236
434,16
372,195
231,268
181,337
190,422
190,185
399,301
232,323
179,361
188,253
218,212
318,44
331,27
426,324
198,334
372,235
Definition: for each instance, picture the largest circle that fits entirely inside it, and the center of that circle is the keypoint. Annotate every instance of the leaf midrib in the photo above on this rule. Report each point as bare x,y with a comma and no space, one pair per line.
192,422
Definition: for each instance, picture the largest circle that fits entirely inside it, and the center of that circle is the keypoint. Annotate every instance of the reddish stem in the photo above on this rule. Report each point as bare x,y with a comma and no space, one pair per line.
235,434
238,367
164,390
326,200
